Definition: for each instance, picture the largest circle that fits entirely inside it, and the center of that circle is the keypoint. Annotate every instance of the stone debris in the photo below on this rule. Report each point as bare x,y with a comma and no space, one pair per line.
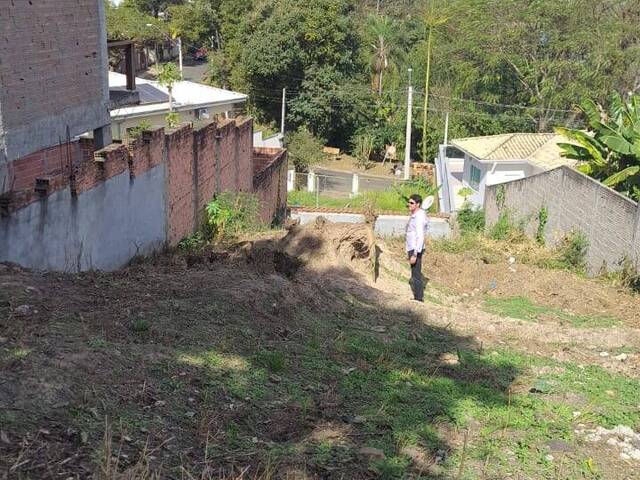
621,437
622,357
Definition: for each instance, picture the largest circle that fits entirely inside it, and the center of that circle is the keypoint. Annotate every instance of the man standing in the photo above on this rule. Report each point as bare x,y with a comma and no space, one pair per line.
415,244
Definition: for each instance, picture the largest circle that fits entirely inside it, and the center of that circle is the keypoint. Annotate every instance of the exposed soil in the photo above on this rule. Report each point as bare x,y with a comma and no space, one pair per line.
179,357
468,274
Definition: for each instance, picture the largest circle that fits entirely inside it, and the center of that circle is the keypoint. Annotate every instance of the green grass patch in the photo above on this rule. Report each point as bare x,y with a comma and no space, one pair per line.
386,201
524,309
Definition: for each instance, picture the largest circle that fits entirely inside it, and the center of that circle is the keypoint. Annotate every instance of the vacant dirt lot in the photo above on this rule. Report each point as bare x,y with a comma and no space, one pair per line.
284,359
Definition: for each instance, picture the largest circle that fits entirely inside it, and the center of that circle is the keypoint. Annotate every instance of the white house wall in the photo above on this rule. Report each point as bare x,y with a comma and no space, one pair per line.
119,127
477,198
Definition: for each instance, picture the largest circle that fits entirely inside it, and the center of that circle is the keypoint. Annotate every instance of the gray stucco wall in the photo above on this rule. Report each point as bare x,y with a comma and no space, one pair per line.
102,228
610,221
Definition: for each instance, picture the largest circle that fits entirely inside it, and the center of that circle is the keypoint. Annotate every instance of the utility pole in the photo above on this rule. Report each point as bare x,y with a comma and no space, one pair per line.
284,110
179,42
407,146
446,130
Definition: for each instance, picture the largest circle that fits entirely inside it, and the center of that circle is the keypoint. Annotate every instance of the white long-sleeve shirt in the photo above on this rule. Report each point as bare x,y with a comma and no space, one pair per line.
416,229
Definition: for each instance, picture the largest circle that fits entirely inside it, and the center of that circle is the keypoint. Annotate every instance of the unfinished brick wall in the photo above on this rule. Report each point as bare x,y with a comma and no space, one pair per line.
610,221
244,155
105,206
52,71
270,182
22,173
181,193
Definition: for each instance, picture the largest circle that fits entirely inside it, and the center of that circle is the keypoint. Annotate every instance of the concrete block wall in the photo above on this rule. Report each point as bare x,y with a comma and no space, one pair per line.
53,61
610,220
130,199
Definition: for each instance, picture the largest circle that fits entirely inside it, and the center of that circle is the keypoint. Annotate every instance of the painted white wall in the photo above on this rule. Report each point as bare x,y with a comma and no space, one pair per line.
493,174
119,127
478,193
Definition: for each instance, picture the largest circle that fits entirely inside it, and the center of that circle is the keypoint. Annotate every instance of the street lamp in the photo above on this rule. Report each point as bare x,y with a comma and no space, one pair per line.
178,44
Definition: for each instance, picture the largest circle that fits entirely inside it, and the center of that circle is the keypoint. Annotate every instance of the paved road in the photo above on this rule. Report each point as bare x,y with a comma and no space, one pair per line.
194,72
340,181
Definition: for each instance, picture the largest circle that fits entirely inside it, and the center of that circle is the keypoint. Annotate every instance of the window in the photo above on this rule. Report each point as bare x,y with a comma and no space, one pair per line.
474,182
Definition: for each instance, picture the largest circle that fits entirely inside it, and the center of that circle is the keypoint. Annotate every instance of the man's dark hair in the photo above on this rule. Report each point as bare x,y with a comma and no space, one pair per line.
416,198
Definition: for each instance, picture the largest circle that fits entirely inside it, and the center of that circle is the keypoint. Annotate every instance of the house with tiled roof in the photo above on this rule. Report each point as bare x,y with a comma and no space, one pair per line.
472,164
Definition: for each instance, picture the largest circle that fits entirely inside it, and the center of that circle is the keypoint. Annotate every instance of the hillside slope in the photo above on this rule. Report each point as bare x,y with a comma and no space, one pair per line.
281,357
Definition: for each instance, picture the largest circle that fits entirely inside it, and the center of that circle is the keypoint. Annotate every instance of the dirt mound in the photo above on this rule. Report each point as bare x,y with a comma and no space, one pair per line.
320,246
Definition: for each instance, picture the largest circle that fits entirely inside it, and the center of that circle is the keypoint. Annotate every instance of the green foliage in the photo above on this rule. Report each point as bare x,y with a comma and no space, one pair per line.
274,360
304,148
524,309
135,132
169,75
628,276
573,250
470,219
501,196
193,242
543,218
172,119
391,200
345,64
140,325
465,192
232,213
419,185
129,23
362,149
506,228
610,149
194,21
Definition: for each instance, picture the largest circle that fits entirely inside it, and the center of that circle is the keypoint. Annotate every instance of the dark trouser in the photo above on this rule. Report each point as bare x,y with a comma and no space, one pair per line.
417,281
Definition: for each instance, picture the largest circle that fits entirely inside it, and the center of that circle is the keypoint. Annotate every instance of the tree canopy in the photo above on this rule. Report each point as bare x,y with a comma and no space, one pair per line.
494,68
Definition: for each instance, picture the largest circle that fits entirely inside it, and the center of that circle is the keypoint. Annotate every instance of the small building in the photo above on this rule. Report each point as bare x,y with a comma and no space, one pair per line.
472,164
192,101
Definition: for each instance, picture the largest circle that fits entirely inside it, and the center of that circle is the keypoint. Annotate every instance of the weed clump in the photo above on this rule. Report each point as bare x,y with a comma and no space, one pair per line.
470,219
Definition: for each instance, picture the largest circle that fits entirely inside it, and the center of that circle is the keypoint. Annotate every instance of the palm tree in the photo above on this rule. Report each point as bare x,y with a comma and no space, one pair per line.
609,150
380,28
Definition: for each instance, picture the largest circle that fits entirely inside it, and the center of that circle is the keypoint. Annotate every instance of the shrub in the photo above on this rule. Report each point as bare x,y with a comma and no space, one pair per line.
272,360
192,242
465,192
502,228
573,251
231,213
304,149
470,219
135,132
543,218
173,119
362,149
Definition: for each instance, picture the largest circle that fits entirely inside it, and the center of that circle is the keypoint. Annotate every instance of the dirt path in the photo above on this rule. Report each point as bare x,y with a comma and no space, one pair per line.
553,339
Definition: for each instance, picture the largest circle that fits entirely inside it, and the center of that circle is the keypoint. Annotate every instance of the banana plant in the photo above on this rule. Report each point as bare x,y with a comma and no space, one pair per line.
609,149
